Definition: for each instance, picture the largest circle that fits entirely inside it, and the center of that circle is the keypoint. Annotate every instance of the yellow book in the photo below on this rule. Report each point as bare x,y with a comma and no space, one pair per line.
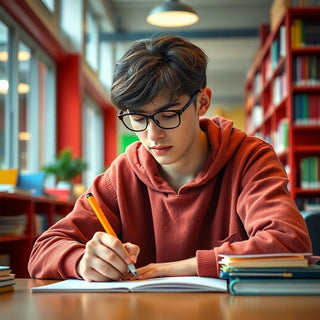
6,289
9,176
265,260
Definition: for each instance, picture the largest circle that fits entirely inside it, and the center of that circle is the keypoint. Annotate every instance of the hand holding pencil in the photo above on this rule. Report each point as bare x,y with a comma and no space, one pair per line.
104,257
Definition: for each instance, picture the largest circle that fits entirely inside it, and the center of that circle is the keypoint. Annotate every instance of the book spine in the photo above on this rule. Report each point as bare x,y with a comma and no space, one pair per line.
305,33
310,173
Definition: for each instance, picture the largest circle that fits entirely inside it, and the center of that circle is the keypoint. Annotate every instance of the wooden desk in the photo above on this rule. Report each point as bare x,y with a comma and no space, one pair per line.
21,304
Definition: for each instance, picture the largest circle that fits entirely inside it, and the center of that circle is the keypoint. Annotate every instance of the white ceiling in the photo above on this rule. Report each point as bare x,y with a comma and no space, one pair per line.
227,31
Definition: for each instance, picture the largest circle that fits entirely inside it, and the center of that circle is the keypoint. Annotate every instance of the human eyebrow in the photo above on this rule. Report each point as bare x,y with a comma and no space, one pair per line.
163,108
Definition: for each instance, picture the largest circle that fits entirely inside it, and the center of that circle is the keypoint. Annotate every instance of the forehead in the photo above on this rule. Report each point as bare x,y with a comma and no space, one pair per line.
161,102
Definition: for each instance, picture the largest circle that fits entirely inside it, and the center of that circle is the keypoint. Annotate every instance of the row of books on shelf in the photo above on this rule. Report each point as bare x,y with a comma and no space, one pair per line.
306,70
281,136
280,89
310,204
305,33
13,225
310,173
306,109
305,73
270,274
42,222
278,50
7,279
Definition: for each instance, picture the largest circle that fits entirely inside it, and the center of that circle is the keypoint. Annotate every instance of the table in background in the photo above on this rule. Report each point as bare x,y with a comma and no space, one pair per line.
21,304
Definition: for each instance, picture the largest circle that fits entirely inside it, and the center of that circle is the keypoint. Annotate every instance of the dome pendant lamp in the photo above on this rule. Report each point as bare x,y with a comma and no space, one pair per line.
172,14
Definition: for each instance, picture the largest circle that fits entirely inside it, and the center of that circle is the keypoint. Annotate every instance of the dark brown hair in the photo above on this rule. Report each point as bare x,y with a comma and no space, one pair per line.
167,65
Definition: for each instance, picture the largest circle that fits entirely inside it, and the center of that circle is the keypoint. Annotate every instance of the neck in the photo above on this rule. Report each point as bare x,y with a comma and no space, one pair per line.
178,174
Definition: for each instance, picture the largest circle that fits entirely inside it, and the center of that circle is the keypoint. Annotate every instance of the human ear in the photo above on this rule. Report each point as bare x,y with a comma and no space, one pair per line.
204,100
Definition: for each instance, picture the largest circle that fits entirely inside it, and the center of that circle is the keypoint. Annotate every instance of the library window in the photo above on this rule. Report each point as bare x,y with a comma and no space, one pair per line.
27,102
4,87
49,4
24,109
71,22
93,142
92,40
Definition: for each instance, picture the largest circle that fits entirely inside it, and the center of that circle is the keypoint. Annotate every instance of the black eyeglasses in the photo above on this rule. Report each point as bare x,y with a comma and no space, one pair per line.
168,119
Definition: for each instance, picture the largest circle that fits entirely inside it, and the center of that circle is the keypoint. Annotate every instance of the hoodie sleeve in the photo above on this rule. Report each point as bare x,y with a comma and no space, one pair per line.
265,209
56,252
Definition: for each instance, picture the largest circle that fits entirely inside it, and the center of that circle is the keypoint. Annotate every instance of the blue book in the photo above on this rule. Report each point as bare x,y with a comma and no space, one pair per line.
311,272
240,286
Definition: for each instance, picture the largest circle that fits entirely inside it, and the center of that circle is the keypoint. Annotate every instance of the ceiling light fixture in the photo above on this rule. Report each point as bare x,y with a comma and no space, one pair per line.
172,14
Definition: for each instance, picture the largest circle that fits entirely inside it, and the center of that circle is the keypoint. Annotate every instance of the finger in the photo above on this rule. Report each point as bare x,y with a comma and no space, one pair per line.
107,270
93,268
116,246
100,256
133,251
93,275
109,260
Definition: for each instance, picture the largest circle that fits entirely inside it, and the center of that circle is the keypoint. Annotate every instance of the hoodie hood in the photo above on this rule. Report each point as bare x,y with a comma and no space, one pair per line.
224,140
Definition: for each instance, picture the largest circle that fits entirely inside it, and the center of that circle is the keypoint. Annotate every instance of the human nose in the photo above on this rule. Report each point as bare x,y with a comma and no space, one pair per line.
154,131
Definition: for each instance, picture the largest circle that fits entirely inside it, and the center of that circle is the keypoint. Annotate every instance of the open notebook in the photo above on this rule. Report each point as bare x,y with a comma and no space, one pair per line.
164,284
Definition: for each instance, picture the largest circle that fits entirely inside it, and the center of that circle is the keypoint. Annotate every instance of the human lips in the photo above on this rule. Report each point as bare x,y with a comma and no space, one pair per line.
160,150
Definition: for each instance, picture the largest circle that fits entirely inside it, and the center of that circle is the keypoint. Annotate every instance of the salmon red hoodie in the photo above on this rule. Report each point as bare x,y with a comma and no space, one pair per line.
238,204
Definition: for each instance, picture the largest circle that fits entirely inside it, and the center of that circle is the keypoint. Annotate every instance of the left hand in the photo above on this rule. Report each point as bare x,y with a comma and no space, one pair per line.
168,269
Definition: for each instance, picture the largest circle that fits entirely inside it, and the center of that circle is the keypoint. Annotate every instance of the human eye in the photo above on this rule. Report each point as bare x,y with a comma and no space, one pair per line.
137,117
167,114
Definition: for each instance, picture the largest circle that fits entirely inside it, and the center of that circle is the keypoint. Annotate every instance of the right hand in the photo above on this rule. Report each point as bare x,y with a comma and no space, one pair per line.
106,258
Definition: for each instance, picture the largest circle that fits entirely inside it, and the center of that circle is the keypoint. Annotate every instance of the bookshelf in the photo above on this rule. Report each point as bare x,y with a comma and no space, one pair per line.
283,99
23,218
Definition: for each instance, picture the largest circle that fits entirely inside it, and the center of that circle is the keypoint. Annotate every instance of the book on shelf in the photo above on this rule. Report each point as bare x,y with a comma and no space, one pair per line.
278,47
306,109
281,137
164,284
305,70
305,33
14,225
279,89
310,173
266,260
7,279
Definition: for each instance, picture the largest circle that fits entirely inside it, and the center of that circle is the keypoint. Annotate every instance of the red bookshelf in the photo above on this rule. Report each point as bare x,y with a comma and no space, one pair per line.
283,97
38,214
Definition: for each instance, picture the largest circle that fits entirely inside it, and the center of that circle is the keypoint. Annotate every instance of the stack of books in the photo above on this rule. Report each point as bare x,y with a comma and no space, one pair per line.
270,274
7,279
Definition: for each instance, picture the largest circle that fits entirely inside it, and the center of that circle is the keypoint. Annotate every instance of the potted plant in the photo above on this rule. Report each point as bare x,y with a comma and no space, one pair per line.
65,168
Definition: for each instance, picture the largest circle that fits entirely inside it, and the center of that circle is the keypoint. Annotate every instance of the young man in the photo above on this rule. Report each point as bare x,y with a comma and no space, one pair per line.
192,188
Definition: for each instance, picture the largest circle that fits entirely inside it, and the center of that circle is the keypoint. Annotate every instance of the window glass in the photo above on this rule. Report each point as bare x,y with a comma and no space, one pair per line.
24,81
46,119
71,21
4,86
93,140
92,40
49,4
27,101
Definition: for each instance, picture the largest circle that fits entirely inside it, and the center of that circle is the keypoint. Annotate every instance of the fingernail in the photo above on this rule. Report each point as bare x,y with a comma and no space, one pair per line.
127,260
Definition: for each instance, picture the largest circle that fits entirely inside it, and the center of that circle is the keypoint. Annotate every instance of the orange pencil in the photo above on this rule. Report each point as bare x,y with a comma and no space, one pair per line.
106,225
